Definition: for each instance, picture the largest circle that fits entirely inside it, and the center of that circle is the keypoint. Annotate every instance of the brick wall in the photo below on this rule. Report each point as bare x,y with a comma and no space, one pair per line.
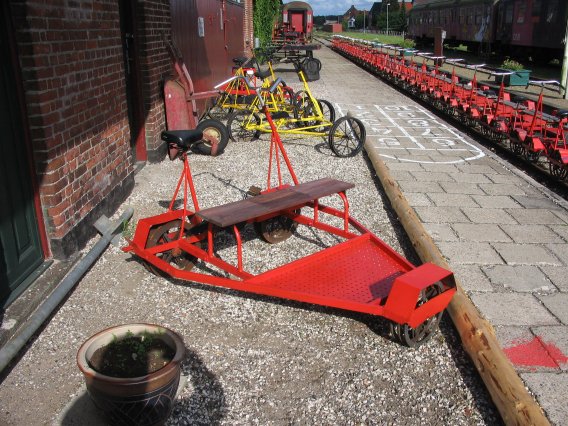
155,22
72,64
71,60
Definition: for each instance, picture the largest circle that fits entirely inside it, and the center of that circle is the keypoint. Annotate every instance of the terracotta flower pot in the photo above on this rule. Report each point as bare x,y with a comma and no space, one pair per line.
145,400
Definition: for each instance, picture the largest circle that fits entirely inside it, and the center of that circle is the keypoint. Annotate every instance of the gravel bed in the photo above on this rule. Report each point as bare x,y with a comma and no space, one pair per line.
252,359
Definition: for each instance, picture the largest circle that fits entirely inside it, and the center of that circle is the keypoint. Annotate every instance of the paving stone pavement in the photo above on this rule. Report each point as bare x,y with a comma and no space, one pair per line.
503,234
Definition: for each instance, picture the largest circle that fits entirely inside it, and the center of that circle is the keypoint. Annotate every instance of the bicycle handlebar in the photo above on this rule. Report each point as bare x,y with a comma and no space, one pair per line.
543,82
233,78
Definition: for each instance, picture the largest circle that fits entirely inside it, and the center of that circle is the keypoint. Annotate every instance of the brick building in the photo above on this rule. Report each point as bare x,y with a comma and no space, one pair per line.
81,96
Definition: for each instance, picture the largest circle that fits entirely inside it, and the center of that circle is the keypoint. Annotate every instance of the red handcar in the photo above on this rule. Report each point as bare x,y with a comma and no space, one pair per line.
361,273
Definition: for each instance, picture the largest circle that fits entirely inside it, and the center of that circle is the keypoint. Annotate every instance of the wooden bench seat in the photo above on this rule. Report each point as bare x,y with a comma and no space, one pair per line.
272,202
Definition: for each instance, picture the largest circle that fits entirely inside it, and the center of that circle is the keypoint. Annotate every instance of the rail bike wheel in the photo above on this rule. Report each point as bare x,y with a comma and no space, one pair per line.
328,116
213,131
556,169
164,233
531,156
497,127
516,147
327,110
305,110
414,337
242,126
347,136
438,104
318,63
276,229
219,112
289,96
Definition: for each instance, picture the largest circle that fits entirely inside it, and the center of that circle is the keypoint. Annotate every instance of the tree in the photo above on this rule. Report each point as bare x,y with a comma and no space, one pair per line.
393,11
403,20
319,20
265,13
360,20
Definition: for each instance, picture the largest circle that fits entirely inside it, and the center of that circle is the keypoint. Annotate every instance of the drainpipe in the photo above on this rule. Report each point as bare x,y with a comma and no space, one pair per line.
563,77
109,232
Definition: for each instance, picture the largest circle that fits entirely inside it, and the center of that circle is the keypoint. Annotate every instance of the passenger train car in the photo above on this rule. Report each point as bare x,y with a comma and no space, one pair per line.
297,21
519,28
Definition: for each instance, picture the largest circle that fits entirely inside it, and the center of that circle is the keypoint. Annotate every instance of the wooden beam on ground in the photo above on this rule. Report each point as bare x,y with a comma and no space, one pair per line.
515,404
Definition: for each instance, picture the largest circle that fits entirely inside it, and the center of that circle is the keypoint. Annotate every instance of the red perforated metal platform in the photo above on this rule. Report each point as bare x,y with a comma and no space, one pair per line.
361,270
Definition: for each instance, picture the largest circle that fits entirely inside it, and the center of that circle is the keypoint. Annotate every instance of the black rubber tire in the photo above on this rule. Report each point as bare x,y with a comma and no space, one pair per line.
289,96
212,129
304,108
347,136
311,69
235,125
318,62
327,110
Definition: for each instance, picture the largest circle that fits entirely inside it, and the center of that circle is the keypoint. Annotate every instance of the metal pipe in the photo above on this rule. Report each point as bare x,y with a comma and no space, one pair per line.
564,73
10,350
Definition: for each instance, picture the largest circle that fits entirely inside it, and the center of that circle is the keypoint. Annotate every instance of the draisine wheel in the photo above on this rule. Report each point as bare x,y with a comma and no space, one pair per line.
219,112
414,337
164,233
213,132
327,110
304,110
532,156
347,136
277,229
515,147
558,171
242,126
289,96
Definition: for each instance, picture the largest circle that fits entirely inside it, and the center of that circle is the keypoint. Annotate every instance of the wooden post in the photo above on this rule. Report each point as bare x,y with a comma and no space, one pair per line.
515,404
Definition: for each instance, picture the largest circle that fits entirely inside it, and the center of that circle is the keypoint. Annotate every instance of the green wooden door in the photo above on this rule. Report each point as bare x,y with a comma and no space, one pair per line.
20,246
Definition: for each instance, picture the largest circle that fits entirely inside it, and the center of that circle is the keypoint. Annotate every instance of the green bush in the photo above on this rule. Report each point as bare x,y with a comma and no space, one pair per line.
511,64
264,15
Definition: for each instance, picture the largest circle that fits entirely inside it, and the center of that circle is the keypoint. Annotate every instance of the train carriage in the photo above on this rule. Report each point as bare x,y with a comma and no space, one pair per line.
519,28
298,18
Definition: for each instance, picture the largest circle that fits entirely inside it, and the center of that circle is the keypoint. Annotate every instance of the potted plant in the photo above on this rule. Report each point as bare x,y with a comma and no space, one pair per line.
132,372
519,75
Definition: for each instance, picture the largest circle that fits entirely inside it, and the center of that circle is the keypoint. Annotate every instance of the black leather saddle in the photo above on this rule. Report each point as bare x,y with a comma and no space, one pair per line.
183,139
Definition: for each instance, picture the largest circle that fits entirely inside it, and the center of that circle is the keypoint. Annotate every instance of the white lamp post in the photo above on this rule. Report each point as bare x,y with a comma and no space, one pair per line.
388,4
364,30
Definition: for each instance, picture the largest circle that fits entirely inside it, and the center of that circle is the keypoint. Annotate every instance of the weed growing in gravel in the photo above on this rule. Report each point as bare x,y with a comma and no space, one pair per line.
128,229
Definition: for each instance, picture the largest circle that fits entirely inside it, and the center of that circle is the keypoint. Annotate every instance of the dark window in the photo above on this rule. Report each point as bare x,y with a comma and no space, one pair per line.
552,12
509,14
522,12
537,5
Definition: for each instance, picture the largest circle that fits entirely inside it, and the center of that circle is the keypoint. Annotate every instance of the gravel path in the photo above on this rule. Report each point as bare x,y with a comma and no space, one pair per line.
255,360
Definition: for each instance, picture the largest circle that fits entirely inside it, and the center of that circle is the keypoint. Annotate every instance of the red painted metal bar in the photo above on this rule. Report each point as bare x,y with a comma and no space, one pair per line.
239,248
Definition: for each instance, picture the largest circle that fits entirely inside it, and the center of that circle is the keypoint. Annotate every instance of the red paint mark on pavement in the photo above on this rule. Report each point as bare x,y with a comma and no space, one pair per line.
535,353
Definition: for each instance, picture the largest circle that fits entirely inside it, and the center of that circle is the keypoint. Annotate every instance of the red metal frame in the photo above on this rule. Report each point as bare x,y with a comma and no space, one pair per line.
361,274
184,79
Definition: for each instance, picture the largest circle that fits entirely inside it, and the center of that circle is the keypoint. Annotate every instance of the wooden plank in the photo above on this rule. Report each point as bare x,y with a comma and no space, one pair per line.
515,404
272,202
